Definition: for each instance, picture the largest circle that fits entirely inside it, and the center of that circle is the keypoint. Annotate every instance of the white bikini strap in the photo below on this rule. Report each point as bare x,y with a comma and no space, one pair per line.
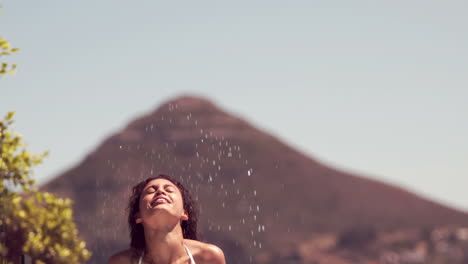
192,261
141,258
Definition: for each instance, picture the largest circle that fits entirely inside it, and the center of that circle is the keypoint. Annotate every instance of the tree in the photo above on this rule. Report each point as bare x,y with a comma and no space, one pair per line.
32,222
35,223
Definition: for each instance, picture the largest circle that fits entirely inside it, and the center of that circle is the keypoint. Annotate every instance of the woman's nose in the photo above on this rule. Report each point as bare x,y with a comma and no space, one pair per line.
160,191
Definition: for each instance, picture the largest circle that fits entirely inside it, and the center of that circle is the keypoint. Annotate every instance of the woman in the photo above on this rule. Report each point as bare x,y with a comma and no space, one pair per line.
163,227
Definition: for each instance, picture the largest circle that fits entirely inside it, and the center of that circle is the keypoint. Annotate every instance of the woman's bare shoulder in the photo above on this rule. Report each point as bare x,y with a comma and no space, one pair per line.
205,253
122,257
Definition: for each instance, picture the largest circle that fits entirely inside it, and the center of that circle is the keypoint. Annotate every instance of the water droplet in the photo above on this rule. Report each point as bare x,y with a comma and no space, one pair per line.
229,154
229,227
255,192
248,172
120,146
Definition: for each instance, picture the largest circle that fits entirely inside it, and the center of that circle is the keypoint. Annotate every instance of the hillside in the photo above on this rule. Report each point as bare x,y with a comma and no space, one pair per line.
259,198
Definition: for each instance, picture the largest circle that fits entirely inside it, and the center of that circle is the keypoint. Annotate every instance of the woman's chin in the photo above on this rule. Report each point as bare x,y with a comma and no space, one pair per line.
161,218
161,212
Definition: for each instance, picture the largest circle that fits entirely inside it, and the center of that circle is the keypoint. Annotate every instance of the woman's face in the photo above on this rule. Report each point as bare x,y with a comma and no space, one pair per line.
162,199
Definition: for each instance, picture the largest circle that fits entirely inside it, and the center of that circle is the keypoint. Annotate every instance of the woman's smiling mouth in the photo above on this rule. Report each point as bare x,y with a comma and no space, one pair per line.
159,200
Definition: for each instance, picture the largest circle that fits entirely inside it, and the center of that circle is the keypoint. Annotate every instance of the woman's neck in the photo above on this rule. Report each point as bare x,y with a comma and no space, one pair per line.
165,247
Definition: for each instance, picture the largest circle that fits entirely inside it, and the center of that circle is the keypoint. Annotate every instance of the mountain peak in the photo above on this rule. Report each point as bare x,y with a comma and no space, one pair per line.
187,103
185,117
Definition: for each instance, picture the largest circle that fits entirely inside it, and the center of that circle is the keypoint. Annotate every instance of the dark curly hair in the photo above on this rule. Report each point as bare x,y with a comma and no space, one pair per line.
137,236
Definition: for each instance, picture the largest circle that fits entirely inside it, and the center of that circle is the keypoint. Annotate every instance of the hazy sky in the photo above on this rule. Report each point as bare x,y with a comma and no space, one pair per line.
379,88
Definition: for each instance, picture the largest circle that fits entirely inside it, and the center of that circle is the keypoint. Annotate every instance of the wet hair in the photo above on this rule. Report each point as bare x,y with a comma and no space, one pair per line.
137,235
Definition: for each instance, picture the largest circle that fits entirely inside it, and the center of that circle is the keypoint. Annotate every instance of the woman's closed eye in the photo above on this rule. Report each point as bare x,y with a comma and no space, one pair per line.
151,190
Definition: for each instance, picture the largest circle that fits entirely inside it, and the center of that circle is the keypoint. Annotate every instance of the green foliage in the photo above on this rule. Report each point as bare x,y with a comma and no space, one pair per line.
36,223
5,50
